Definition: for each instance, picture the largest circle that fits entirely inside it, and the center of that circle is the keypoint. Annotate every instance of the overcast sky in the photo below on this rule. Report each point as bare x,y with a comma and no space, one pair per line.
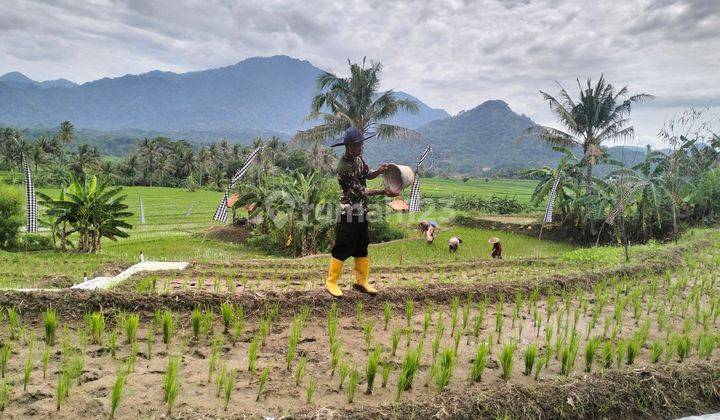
449,53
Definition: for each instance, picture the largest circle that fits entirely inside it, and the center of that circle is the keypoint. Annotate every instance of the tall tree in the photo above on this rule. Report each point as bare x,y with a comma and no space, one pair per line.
599,115
355,101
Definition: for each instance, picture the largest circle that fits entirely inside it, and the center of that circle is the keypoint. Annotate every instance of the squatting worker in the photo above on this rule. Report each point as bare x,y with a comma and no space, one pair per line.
428,228
351,231
496,249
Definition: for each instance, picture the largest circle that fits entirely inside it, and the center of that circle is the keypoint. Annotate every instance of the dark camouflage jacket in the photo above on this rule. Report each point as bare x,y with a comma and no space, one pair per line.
352,175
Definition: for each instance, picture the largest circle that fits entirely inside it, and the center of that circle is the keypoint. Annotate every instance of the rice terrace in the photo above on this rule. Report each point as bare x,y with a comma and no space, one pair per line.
181,237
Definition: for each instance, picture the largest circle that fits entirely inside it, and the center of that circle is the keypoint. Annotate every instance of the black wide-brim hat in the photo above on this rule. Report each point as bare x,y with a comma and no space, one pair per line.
352,136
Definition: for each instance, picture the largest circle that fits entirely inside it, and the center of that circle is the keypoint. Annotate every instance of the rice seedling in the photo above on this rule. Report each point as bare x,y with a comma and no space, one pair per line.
499,319
387,314
479,362
568,356
28,363
385,374
447,361
227,312
220,379
253,354
343,373
408,370
466,311
97,327
264,330
359,312
454,306
171,383
300,370
631,351
507,360
213,358
682,347
656,350
516,309
409,309
117,391
5,390
352,385
50,321
706,345
426,323
590,351
130,325
62,388
14,322
334,356
371,368
395,340
620,352
368,330
168,327
5,353
541,363
310,390
45,361
530,356
195,320
208,317
293,339
229,384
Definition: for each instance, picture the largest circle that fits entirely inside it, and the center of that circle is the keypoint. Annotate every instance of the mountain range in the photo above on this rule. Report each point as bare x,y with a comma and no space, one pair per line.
259,96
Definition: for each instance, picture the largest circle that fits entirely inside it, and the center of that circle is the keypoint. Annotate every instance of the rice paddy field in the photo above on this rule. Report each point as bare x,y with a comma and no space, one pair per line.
550,331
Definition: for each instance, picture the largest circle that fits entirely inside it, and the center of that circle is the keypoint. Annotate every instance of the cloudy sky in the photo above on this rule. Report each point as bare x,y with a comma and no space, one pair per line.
450,53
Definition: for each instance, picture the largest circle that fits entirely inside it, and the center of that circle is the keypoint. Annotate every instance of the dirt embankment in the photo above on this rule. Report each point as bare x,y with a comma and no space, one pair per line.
648,392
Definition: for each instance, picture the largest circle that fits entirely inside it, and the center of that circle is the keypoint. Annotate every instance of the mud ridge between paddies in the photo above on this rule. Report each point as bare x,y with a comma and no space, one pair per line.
648,392
77,302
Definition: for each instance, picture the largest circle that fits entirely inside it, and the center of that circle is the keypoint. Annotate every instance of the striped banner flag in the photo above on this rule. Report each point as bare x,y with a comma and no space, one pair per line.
620,204
31,225
222,210
142,212
414,205
551,201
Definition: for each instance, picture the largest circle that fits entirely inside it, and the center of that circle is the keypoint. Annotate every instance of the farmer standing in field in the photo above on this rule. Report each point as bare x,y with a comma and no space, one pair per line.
351,231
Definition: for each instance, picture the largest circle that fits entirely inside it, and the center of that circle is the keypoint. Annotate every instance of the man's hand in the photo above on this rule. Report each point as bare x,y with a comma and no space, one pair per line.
390,193
382,168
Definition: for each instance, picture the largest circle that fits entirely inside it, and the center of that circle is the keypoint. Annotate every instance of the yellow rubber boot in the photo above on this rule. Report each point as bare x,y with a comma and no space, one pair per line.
331,284
362,274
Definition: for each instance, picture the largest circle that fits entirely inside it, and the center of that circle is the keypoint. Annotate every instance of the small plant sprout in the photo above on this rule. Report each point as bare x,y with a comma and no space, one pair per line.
310,390
568,355
541,363
150,339
395,340
253,354
50,321
117,391
369,325
530,355
229,384
45,361
300,370
5,389
387,315
97,327
454,306
409,309
62,388
372,367
499,319
466,311
195,321
131,323
631,351
5,352
656,350
409,368
220,380
261,384
447,361
228,313
28,363
607,355
507,360
385,374
352,385
479,361
293,339
335,353
168,327
590,350
682,347
171,383
359,311
14,323
343,373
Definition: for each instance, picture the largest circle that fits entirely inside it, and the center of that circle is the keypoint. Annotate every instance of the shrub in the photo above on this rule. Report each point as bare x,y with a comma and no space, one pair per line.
11,215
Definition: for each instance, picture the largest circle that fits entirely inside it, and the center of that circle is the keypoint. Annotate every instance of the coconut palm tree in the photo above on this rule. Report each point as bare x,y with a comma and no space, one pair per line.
355,102
601,114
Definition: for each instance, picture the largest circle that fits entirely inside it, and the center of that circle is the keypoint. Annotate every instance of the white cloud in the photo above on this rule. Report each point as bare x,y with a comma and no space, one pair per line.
453,54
